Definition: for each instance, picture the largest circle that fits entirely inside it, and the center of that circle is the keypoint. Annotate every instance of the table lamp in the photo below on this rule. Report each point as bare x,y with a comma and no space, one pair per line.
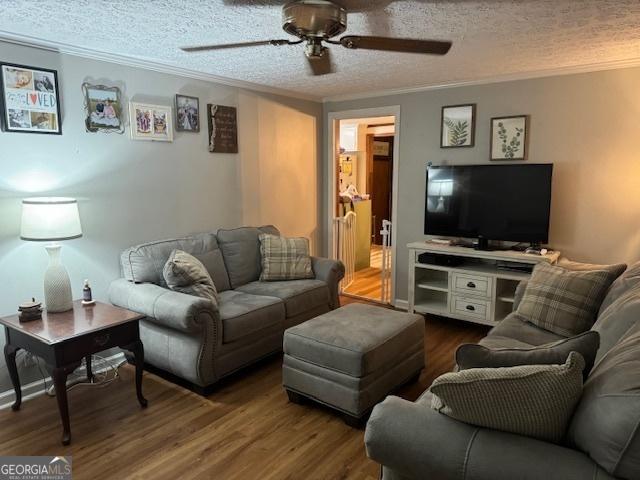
51,219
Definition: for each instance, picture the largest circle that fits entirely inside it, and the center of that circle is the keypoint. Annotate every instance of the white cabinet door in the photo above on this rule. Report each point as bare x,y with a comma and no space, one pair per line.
349,138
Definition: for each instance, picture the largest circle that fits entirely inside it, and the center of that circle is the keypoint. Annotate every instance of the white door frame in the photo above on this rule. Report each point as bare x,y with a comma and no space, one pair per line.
392,110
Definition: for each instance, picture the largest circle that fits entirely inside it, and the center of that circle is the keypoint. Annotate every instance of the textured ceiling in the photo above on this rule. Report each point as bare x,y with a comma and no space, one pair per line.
491,38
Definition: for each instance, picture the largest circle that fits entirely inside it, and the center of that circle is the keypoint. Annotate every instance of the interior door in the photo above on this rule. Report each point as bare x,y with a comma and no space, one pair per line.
381,183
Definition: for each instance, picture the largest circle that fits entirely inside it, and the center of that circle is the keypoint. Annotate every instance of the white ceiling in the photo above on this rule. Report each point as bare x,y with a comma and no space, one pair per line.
491,38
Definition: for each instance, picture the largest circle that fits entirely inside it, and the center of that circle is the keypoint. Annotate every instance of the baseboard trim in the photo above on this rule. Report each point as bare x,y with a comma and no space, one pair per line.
36,388
401,304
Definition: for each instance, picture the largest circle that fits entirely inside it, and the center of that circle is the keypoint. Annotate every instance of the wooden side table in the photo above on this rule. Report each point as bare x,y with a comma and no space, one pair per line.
62,340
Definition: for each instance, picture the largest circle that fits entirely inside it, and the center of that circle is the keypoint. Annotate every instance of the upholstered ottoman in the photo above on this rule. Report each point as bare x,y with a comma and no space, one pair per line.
352,358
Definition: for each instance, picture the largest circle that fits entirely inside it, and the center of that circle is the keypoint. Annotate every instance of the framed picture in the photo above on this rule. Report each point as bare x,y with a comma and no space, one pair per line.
458,126
103,106
187,114
151,122
30,99
381,148
509,137
223,129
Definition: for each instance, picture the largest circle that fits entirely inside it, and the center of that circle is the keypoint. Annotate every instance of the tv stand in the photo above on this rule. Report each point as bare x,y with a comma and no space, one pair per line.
467,284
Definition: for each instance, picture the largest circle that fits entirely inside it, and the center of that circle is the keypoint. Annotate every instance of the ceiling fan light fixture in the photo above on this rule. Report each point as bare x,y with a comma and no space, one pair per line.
314,18
314,48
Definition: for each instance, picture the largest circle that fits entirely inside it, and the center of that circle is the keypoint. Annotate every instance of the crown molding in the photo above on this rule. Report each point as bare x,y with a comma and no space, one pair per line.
152,65
139,62
553,72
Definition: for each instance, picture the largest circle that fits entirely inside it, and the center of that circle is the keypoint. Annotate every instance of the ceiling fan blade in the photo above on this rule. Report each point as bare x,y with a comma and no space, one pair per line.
408,45
321,65
203,48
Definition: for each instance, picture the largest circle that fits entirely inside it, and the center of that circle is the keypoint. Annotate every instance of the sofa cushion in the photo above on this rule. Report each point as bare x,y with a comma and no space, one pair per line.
284,258
145,262
566,301
606,424
243,314
214,263
630,279
186,274
515,332
478,356
241,251
531,400
617,320
299,296
356,339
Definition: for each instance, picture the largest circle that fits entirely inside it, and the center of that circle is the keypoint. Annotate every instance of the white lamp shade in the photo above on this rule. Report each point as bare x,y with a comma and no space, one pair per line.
50,219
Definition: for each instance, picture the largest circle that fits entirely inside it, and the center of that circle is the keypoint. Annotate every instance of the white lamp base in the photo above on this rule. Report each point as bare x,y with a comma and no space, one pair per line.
57,287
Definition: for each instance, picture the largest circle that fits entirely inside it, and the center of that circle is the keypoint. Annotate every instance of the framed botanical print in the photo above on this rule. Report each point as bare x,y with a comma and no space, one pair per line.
509,137
30,99
104,108
457,126
187,113
151,122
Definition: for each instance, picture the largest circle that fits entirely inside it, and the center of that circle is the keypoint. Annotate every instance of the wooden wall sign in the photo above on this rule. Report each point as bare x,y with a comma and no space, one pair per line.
223,129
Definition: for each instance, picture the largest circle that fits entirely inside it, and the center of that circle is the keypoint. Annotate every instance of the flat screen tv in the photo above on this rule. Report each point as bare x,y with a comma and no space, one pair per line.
489,202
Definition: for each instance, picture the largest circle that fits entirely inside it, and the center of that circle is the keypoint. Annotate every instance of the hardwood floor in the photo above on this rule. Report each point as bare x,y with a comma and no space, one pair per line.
367,282
245,430
376,256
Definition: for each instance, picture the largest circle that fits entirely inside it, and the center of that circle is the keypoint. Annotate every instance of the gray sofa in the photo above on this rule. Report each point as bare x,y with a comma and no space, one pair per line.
412,441
196,342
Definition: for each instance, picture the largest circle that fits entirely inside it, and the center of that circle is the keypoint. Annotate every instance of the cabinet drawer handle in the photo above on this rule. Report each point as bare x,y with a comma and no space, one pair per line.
471,285
101,340
470,308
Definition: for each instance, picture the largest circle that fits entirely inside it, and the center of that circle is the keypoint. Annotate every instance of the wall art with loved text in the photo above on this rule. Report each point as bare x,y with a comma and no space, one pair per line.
30,99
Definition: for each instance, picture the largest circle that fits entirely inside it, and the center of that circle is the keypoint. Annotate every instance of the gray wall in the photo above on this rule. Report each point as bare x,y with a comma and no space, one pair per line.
587,125
128,191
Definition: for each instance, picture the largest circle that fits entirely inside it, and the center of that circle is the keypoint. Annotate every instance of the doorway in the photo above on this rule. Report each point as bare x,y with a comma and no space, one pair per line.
362,193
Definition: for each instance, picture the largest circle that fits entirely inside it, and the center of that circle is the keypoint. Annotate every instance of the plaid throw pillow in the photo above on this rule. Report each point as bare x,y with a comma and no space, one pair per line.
186,274
284,258
564,301
532,400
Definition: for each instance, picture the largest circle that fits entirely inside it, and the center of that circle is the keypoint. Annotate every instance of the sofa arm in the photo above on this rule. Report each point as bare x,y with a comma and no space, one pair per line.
331,272
417,442
408,438
163,306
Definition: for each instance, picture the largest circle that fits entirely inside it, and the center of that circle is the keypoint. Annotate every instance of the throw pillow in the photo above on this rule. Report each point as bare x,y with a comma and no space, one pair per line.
284,258
531,400
186,274
478,356
565,301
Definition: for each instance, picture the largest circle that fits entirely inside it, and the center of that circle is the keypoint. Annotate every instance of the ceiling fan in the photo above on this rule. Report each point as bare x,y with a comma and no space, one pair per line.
316,23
